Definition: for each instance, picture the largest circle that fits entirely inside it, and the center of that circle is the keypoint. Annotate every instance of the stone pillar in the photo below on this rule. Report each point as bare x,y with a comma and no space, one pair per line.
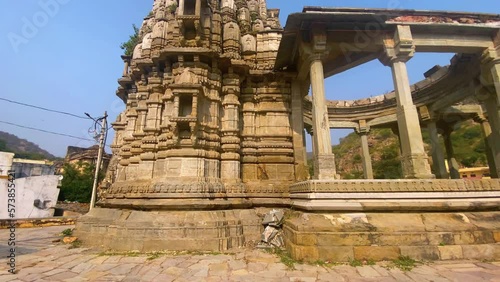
490,154
414,160
437,152
181,7
452,162
297,121
491,98
126,61
231,142
363,131
324,160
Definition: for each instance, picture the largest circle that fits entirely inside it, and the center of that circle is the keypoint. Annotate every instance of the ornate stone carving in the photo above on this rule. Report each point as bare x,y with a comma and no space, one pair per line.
248,44
231,43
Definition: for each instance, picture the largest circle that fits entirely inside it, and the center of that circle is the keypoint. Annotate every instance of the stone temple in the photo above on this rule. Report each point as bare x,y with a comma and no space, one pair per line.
217,107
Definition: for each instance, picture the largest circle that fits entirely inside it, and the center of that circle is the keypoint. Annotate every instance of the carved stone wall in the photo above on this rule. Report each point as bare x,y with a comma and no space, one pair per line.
200,120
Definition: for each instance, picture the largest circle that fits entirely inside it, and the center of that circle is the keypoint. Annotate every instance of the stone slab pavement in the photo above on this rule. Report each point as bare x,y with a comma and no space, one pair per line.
38,258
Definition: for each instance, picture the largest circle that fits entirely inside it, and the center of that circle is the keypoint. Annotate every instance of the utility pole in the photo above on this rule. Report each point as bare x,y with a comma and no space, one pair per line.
102,140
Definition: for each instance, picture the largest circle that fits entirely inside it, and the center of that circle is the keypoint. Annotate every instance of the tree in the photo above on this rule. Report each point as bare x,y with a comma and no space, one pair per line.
3,146
77,182
129,46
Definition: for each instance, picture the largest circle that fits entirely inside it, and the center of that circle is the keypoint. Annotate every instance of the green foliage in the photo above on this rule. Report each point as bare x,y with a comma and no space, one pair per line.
30,156
468,145
355,262
354,174
23,154
3,146
310,166
357,158
67,232
129,46
389,165
467,140
254,17
285,257
404,263
77,182
172,8
76,244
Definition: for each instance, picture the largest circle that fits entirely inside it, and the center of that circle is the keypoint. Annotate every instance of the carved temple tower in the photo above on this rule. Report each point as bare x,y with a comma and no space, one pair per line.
207,123
205,116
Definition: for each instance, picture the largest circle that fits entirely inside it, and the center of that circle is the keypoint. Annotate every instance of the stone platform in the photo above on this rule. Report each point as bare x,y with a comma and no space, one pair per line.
125,230
400,195
386,236
430,219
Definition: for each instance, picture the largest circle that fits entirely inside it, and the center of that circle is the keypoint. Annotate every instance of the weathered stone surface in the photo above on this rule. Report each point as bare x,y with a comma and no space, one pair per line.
376,253
420,252
450,252
343,237
168,230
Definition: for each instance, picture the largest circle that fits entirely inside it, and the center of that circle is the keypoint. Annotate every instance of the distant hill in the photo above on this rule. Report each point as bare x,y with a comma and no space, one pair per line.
467,140
23,148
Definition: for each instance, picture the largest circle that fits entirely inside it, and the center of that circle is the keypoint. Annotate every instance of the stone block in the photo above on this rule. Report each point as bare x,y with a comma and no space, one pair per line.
307,239
496,236
447,222
484,220
377,253
344,239
481,252
306,253
400,239
463,238
420,252
393,222
336,254
483,237
450,252
446,238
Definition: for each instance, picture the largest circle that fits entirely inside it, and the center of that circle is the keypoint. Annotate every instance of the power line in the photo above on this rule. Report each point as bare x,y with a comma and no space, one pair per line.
46,131
51,132
42,108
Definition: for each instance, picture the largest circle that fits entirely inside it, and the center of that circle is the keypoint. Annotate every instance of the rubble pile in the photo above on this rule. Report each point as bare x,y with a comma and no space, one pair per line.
273,233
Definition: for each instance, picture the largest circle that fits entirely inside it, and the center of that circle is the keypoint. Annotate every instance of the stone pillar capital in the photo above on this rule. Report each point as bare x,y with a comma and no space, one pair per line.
318,38
126,59
480,118
400,48
126,62
490,56
315,57
427,116
363,128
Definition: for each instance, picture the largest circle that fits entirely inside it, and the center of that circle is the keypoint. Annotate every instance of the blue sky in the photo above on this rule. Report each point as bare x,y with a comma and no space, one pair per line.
65,55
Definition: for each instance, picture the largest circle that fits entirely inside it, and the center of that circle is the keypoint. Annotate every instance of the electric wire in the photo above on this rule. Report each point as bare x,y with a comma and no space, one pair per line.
42,108
51,132
46,131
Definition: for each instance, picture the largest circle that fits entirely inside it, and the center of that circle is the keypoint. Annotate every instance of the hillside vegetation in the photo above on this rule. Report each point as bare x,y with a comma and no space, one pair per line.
467,140
23,148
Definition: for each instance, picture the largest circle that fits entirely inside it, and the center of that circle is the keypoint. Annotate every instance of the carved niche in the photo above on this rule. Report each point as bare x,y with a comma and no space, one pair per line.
248,44
186,91
159,34
231,43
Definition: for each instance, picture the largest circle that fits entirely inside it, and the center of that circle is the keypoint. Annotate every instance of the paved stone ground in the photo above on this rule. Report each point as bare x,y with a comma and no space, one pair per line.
39,259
